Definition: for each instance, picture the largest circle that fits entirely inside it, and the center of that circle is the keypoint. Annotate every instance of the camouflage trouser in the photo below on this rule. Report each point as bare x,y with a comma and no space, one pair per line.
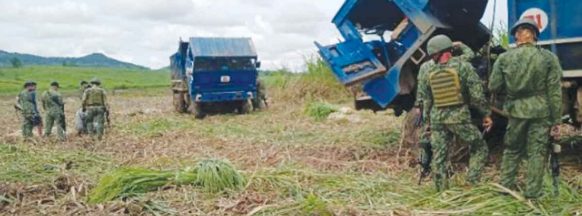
27,126
530,138
50,119
442,136
95,121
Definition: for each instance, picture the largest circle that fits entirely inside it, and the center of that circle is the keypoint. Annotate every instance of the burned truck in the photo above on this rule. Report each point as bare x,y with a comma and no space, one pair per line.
212,75
385,44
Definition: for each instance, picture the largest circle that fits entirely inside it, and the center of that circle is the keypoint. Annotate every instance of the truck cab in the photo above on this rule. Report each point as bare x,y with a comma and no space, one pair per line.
385,44
218,74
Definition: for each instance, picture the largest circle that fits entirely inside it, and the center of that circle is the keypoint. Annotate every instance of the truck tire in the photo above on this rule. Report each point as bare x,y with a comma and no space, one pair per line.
197,110
245,107
179,102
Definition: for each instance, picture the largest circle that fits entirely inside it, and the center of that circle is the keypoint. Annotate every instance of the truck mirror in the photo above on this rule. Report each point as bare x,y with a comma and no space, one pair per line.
258,64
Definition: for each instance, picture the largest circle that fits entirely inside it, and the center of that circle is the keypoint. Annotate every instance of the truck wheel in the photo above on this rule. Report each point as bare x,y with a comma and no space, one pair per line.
179,103
196,109
245,107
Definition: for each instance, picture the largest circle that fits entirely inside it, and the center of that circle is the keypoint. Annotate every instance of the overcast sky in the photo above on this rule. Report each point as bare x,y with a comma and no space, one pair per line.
147,32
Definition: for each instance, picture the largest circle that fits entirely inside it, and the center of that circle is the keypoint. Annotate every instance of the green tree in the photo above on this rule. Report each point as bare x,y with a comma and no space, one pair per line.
16,63
501,36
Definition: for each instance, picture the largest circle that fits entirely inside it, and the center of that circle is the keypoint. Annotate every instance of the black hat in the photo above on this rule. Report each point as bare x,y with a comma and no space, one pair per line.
55,83
29,83
95,81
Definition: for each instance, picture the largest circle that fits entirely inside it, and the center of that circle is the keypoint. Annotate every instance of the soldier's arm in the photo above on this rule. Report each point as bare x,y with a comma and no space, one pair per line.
84,99
105,100
554,88
423,92
18,104
496,82
43,100
476,93
468,53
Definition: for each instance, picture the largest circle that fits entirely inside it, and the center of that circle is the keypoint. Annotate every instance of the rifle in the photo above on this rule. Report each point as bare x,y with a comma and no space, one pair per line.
425,159
555,149
107,114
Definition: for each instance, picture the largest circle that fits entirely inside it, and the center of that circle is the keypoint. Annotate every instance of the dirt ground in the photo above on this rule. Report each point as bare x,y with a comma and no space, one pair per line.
349,164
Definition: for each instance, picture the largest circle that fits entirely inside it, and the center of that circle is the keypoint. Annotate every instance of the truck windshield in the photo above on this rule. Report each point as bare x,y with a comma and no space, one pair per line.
222,64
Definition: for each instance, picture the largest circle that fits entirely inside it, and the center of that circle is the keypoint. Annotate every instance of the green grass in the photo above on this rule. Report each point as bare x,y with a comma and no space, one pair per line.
12,79
36,165
316,83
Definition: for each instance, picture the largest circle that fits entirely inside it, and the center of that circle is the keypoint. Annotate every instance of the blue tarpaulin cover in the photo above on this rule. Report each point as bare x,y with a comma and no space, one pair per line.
222,47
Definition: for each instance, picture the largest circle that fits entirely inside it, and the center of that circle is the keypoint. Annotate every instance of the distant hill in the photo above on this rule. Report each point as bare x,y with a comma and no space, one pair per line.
92,60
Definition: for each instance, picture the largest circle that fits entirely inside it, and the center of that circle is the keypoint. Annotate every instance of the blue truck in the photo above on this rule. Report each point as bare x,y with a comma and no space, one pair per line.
385,44
214,75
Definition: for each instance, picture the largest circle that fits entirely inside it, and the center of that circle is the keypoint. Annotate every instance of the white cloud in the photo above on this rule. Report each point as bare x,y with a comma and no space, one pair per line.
147,32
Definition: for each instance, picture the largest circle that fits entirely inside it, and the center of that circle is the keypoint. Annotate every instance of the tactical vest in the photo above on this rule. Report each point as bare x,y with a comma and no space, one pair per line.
446,88
95,97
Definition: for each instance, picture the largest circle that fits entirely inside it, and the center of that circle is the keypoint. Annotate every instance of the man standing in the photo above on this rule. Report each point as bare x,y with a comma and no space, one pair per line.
530,77
26,104
448,87
84,85
95,105
53,105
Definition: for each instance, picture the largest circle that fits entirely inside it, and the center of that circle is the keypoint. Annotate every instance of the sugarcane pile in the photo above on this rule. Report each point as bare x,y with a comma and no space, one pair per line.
211,175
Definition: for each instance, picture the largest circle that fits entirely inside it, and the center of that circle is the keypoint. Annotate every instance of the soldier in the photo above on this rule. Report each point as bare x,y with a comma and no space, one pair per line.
260,101
80,116
448,87
530,77
53,105
84,85
26,104
95,105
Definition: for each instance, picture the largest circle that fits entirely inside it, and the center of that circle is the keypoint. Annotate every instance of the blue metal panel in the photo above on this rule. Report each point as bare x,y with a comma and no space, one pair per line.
352,61
210,83
564,17
225,96
378,64
222,47
560,23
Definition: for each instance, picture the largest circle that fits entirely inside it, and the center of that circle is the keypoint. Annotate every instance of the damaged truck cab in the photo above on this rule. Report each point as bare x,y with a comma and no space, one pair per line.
385,44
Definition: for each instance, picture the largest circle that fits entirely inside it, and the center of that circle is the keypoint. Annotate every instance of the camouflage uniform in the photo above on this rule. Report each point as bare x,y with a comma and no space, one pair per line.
53,105
530,77
26,101
82,128
260,101
455,121
95,104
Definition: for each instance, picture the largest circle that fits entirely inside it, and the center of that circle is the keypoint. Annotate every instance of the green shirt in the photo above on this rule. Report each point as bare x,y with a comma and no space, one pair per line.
52,102
26,100
530,77
471,89
94,96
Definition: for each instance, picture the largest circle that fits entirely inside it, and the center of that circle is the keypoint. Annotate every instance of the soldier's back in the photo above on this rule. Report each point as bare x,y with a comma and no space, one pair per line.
525,69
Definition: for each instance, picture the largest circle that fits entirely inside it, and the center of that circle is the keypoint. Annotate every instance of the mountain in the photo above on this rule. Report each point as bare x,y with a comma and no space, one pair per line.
92,60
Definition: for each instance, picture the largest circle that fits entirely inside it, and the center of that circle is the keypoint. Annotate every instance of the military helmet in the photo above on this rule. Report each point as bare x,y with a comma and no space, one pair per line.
526,22
83,82
55,83
95,81
29,83
438,44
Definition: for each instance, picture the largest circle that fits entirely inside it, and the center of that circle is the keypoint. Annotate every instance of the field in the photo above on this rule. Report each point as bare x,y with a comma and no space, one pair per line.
296,160
12,79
